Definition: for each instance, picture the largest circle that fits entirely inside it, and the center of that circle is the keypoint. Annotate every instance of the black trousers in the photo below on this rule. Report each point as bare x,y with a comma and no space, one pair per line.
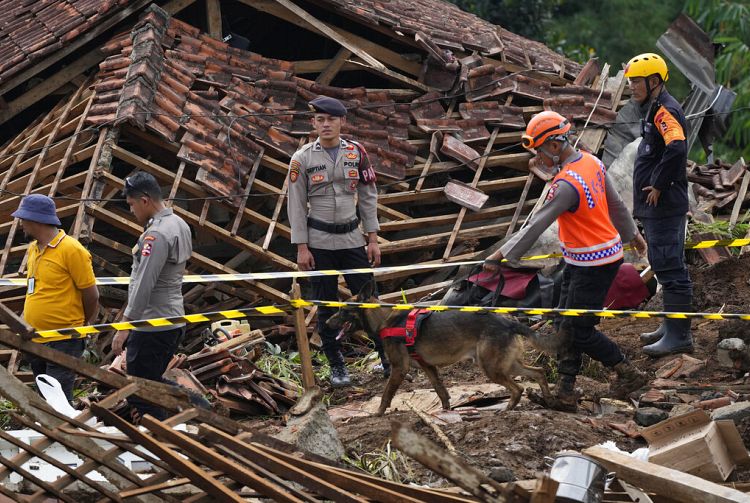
326,288
66,377
148,355
585,288
666,254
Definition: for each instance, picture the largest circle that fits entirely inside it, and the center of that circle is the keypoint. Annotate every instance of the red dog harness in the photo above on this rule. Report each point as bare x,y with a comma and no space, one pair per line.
409,331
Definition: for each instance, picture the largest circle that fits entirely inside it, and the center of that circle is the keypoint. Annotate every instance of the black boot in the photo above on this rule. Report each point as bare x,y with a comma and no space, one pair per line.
677,337
652,337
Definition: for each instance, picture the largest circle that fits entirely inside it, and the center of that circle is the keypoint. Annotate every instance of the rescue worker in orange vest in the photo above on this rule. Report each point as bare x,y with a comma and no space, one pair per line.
660,198
593,223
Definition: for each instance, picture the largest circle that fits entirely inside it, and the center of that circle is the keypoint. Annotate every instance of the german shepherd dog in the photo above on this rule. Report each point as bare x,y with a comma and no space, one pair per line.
447,337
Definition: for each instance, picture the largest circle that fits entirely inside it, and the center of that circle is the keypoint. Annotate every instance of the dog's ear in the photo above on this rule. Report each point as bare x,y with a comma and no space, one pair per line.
367,292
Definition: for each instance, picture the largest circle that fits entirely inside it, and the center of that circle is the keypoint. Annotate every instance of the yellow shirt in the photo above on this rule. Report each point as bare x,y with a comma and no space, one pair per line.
56,274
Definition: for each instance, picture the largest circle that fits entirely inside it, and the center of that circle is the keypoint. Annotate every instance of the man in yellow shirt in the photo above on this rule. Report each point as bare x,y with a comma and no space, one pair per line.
61,290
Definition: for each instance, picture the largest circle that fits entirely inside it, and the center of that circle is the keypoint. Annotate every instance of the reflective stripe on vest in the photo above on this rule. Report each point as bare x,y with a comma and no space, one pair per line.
587,236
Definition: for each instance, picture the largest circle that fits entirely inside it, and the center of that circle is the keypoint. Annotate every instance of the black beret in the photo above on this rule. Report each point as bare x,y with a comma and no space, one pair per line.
326,105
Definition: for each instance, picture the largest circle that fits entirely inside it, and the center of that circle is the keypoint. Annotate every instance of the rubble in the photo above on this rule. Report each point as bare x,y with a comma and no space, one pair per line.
441,118
647,416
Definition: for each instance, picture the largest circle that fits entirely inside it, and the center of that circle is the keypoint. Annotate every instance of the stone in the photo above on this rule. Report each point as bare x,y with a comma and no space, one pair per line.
680,409
647,416
314,432
733,354
736,411
502,474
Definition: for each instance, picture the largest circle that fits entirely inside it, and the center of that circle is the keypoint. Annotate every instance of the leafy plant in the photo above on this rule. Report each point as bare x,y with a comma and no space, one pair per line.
386,463
281,365
5,407
722,230
728,24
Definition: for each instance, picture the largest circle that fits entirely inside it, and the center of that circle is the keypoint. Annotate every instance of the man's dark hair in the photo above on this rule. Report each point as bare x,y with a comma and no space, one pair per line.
142,184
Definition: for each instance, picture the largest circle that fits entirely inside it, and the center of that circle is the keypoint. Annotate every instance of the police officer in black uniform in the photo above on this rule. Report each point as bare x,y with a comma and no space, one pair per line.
660,198
332,193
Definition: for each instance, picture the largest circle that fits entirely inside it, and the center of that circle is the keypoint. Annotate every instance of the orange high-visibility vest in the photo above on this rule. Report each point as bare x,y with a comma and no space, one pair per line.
586,233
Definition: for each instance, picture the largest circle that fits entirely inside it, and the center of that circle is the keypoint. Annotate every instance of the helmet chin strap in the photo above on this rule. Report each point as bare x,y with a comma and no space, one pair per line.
556,164
650,89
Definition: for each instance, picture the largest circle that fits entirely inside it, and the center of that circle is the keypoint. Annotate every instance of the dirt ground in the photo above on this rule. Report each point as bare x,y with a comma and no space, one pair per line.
518,440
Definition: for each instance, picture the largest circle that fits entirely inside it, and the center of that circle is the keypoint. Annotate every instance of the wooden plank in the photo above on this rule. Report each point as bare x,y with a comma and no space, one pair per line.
436,194
440,220
521,204
431,240
385,55
69,151
104,137
385,211
193,188
445,464
100,27
15,159
333,68
428,163
665,481
414,294
39,453
326,30
248,186
213,19
474,182
303,344
45,486
161,486
51,84
178,463
740,198
157,393
211,458
277,209
376,490
176,183
319,65
40,417
277,465
32,179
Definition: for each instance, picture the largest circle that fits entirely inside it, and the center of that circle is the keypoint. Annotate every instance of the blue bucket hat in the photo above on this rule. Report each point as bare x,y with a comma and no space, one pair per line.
37,208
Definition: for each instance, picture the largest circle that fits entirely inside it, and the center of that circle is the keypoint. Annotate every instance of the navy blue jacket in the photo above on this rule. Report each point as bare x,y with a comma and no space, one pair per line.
662,160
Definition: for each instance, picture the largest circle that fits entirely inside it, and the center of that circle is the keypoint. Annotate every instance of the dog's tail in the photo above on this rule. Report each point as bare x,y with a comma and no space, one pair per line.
547,343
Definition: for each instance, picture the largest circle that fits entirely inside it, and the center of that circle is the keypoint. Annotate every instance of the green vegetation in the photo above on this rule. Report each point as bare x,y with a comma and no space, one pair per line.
722,230
280,364
386,463
728,24
616,30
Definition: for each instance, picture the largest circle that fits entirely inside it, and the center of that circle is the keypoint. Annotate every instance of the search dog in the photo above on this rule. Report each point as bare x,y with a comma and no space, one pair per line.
494,342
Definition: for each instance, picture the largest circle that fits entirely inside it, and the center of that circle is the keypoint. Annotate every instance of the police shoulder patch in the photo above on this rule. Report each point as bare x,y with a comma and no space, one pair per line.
551,192
146,250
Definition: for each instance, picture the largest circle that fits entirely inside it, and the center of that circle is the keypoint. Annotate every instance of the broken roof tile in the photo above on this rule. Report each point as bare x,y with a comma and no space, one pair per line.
32,30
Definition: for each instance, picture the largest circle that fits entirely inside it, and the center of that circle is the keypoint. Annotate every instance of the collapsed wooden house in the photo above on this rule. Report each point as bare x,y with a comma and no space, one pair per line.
217,125
438,97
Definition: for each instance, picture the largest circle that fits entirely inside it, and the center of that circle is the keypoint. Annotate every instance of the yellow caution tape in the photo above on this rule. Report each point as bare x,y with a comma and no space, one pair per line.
260,276
605,313
79,332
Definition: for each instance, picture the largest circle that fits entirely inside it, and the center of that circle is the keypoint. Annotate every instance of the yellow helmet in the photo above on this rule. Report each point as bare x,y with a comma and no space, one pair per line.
645,65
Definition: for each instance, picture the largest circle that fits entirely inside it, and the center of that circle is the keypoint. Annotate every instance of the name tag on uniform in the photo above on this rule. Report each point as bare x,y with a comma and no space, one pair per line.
31,284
